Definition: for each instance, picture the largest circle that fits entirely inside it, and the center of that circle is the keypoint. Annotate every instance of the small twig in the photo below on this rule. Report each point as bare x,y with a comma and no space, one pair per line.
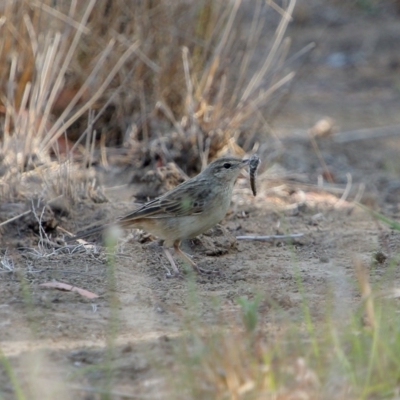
61,229
270,237
66,271
16,217
27,212
42,233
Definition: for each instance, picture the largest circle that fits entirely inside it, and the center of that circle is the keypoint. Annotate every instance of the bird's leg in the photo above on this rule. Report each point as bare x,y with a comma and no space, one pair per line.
191,262
173,265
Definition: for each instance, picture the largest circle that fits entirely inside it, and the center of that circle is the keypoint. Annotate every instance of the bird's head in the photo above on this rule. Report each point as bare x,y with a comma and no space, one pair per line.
226,168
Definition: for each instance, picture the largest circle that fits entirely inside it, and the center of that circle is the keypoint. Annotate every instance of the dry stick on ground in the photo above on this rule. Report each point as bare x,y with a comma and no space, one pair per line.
27,212
42,233
270,237
15,218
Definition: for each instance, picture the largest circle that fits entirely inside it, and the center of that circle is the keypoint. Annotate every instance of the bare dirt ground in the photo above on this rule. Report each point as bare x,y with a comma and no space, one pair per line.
351,77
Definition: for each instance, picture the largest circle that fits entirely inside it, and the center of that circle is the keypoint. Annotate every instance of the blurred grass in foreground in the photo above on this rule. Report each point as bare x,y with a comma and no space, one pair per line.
341,359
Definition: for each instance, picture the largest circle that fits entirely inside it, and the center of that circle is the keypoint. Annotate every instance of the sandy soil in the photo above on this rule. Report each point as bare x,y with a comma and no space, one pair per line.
351,77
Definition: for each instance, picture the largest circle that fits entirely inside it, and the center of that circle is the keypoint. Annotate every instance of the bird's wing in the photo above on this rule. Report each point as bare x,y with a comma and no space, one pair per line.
184,200
191,201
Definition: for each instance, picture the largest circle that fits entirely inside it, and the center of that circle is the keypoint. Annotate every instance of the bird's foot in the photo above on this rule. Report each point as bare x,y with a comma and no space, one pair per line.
175,271
173,274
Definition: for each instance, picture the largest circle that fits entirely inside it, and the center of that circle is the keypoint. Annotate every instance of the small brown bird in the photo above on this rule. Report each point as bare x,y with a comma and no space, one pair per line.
191,208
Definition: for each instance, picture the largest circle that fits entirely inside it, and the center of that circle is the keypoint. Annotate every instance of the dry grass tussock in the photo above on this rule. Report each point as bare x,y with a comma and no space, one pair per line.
237,365
332,359
158,80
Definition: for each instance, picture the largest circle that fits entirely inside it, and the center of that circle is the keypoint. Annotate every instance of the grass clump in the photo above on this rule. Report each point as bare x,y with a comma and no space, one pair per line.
153,77
356,358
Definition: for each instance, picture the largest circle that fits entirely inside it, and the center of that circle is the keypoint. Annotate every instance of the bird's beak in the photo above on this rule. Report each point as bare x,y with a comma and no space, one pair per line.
245,162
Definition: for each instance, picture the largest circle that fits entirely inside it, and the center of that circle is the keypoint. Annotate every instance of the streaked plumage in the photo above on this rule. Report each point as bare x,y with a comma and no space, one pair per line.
189,209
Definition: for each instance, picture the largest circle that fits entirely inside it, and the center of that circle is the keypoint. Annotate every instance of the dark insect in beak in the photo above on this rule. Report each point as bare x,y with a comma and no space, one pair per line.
254,162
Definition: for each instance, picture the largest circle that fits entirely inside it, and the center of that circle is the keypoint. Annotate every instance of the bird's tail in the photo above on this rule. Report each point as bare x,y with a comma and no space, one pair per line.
88,232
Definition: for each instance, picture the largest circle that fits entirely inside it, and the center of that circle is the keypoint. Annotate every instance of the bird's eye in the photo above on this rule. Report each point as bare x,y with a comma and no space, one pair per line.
227,165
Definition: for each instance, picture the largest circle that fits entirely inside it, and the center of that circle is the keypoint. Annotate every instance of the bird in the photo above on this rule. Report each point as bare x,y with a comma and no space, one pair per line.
186,211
